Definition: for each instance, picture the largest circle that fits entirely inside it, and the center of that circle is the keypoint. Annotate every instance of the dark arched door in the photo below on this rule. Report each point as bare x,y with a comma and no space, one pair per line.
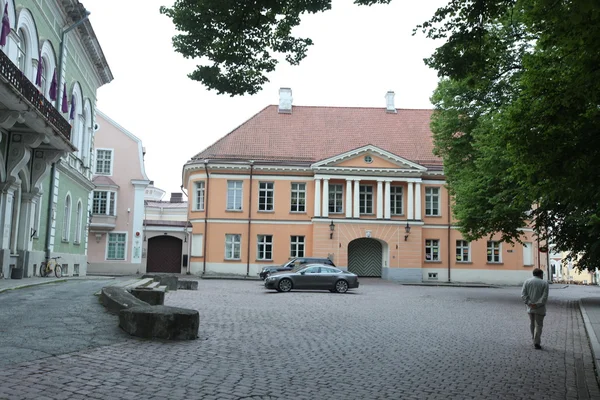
164,254
364,257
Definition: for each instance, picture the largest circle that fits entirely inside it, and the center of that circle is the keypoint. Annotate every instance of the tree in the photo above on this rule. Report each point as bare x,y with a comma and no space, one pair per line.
238,41
517,119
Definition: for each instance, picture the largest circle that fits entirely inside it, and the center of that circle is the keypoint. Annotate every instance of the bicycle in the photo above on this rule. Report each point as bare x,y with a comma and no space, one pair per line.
51,265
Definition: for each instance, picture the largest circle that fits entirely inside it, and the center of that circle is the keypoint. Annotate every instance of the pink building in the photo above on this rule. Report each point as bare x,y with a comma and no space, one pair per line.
117,214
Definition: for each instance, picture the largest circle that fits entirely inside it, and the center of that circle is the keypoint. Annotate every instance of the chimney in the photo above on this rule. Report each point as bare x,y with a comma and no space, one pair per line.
285,101
176,197
389,101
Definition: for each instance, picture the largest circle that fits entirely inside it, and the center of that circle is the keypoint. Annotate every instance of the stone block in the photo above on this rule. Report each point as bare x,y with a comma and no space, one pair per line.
161,322
187,284
150,296
170,281
117,298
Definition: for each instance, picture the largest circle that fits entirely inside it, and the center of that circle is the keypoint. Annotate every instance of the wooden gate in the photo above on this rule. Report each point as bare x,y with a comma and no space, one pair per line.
164,254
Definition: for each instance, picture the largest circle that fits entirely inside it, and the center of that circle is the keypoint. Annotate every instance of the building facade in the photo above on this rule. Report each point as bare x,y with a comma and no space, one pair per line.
358,185
117,212
51,65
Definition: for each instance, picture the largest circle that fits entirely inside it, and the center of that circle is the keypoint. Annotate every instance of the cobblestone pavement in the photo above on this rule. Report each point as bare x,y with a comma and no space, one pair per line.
384,341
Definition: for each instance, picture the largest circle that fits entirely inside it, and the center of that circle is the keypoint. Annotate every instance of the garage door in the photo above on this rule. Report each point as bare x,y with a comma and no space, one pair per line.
164,254
364,257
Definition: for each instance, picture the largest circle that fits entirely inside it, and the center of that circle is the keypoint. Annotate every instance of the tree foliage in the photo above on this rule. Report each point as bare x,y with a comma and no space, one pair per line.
238,41
517,119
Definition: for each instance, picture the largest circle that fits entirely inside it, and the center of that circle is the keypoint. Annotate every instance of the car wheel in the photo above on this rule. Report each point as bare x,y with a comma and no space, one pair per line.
341,286
285,285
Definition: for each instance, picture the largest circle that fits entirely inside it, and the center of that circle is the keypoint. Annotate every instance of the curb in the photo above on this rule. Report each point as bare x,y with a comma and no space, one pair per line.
233,278
593,339
26,284
450,285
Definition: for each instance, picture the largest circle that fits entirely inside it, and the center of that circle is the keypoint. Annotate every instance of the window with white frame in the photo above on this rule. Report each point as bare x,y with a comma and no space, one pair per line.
116,246
432,250
234,195
266,196
298,198
366,199
104,162
494,251
104,202
527,253
233,245
264,247
297,246
336,199
199,196
463,253
396,200
197,245
21,51
432,201
66,231
79,224
44,81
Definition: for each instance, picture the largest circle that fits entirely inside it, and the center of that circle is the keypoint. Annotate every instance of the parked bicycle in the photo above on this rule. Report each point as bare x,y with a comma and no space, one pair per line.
51,265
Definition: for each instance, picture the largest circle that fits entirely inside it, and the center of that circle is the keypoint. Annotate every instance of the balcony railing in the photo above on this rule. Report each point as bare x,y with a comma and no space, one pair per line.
30,92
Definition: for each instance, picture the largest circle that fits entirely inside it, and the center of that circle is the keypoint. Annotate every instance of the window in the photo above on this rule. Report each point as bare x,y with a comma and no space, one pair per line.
197,245
527,253
366,199
368,159
432,250
265,196
233,244
116,246
103,162
462,251
432,201
104,203
44,83
79,224
336,199
265,247
298,197
297,246
234,195
396,197
21,51
199,203
67,220
493,251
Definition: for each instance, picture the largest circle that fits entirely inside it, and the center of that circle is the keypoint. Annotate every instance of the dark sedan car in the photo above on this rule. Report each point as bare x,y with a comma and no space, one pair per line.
313,277
293,264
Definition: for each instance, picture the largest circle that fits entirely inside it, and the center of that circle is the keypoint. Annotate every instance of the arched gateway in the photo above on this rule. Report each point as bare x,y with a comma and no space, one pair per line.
365,257
164,254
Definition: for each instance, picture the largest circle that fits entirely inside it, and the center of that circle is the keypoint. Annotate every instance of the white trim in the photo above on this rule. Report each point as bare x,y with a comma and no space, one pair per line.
259,177
433,182
79,222
155,228
366,149
272,210
254,221
366,178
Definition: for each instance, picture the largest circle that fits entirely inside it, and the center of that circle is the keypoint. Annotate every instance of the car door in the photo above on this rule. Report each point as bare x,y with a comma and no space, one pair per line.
328,277
307,278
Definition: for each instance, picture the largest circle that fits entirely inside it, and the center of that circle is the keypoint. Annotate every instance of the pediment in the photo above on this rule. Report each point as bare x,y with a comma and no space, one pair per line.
368,157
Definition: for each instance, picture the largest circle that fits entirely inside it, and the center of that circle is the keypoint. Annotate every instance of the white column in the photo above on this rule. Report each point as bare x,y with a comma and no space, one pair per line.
325,198
8,198
411,197
418,201
317,197
388,201
348,198
379,214
356,198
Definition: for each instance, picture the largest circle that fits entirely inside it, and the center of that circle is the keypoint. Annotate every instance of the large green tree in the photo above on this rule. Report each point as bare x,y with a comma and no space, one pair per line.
517,117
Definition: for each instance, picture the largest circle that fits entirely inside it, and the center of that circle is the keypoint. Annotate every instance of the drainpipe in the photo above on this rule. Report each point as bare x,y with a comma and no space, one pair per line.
50,209
206,197
249,220
188,237
449,232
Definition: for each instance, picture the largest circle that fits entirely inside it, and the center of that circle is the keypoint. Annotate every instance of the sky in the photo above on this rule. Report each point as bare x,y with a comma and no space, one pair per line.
359,53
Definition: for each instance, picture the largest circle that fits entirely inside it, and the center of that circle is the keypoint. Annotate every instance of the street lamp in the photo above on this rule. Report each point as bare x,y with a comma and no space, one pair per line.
407,230
331,228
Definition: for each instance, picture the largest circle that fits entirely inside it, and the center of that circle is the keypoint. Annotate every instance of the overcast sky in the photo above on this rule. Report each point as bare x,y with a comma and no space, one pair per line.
359,53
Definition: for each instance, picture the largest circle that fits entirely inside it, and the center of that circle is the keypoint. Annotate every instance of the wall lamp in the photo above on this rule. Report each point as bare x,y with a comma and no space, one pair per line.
331,229
407,230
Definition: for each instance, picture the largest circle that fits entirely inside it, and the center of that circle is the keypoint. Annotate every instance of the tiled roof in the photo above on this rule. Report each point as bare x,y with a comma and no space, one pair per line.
310,134
103,180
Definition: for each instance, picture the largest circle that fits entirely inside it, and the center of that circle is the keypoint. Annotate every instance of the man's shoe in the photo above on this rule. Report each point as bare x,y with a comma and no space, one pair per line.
537,346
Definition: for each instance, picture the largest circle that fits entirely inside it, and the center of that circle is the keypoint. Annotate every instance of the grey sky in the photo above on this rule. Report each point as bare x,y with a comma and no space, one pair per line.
359,54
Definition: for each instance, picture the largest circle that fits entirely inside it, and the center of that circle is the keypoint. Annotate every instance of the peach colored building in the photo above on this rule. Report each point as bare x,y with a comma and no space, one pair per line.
117,214
358,185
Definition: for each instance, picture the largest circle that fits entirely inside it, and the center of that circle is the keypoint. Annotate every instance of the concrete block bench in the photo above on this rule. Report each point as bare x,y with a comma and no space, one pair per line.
154,297
162,322
170,281
116,298
187,284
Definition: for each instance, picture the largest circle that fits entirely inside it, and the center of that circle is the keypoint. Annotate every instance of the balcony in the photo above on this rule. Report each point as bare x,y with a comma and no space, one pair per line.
30,94
101,222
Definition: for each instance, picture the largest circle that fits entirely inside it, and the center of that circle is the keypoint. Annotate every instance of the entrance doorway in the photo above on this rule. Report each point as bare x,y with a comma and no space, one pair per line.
164,254
365,257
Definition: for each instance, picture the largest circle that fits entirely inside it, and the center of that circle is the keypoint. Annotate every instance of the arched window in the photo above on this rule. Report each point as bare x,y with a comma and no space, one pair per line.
44,83
79,222
22,51
67,219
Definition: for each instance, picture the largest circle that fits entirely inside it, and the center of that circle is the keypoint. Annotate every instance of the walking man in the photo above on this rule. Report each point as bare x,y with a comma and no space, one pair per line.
535,295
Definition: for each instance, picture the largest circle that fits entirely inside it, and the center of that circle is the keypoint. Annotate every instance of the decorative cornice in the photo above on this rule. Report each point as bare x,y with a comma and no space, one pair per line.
366,149
75,175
